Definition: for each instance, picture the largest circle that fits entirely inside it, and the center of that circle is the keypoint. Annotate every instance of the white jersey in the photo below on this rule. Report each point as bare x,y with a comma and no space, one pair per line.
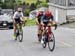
18,14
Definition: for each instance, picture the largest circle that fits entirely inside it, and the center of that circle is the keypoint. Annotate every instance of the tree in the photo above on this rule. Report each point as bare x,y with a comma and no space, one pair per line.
38,2
24,3
0,1
4,5
47,0
32,7
8,4
18,2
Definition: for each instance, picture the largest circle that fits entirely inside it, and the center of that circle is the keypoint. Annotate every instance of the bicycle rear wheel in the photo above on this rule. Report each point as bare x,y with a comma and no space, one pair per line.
20,36
51,42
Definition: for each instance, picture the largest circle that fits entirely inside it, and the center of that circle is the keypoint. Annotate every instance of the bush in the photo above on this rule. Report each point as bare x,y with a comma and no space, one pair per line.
38,2
30,22
41,4
7,5
32,6
26,12
44,4
4,5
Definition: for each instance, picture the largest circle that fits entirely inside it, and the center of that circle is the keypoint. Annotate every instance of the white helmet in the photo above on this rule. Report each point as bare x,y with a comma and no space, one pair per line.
40,10
19,9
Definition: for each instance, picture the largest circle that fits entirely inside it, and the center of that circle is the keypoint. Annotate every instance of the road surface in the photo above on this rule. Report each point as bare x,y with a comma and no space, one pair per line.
65,43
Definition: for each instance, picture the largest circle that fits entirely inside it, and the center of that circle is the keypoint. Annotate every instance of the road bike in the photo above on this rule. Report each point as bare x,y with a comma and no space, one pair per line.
19,32
47,37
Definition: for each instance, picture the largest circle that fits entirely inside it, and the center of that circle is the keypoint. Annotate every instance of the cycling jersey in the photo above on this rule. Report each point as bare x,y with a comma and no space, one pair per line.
17,15
46,19
39,16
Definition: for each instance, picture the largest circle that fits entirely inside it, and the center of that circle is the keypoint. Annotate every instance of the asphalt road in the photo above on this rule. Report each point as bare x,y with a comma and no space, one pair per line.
65,43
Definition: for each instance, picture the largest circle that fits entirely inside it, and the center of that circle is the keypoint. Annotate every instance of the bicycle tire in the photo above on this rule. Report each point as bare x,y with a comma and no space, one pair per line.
44,44
20,37
49,45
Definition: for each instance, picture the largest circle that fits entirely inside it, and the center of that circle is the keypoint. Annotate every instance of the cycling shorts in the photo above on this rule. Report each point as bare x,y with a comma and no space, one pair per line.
17,20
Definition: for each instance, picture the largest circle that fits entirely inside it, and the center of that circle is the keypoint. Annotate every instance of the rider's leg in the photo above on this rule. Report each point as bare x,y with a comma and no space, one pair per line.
14,26
43,28
49,32
38,34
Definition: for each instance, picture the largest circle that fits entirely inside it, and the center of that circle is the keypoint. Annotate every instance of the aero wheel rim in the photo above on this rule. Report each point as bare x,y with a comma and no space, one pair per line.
51,43
20,36
44,42
44,45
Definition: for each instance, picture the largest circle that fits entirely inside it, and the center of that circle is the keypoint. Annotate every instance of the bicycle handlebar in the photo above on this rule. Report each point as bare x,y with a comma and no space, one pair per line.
55,25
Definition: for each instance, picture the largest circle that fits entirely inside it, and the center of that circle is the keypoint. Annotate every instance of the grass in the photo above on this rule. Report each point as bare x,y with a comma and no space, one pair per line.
31,22
31,1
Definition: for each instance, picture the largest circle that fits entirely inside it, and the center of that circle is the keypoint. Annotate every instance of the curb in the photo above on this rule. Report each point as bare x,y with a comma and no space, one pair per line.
66,23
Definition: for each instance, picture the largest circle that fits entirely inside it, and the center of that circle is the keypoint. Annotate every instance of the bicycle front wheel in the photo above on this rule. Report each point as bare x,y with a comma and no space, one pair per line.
51,42
20,37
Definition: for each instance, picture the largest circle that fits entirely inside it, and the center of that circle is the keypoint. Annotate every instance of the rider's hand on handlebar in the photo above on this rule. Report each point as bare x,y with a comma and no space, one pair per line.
55,24
42,23
21,18
37,23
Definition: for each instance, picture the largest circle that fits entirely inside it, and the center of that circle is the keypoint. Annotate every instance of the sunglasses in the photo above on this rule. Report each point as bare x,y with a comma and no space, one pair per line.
19,11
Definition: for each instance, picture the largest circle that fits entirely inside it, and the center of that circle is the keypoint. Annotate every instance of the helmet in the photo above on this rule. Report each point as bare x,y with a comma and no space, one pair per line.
40,11
19,9
48,13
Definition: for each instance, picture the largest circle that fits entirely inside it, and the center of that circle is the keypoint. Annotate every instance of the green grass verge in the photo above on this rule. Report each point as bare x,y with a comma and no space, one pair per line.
31,1
31,22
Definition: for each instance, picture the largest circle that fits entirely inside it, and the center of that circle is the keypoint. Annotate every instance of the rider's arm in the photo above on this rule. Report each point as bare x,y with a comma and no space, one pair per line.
52,18
42,19
37,15
22,14
37,21
54,23
14,16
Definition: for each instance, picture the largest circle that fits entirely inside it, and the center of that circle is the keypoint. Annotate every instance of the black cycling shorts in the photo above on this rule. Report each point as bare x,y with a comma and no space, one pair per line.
46,23
17,20
39,20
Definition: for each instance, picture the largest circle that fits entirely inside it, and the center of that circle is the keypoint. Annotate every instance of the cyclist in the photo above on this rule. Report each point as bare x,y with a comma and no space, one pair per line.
46,19
38,21
17,15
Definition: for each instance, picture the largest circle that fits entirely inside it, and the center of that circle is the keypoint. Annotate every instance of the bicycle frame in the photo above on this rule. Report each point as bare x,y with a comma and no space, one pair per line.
19,26
46,31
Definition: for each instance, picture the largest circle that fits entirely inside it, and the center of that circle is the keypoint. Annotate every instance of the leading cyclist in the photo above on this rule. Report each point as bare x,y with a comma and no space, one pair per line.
48,19
18,15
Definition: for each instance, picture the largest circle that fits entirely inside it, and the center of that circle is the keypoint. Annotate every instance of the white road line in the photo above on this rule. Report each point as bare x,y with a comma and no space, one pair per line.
64,43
